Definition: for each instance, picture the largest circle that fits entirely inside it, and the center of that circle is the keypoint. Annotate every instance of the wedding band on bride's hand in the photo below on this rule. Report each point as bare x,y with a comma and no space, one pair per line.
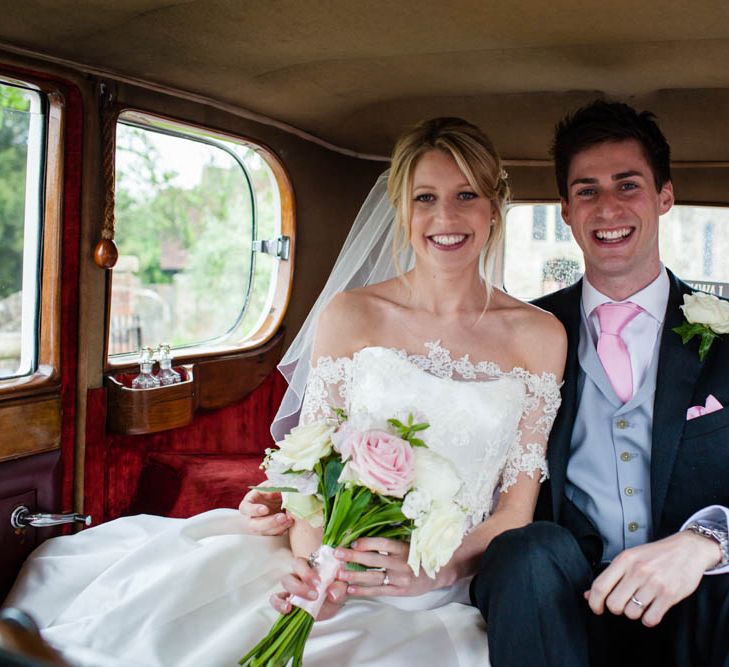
386,580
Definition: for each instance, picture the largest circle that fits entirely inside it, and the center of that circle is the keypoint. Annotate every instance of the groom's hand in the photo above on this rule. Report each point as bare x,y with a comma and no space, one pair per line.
646,581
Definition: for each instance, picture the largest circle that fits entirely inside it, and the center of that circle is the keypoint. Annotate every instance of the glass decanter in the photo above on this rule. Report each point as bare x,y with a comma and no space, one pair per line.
145,379
167,375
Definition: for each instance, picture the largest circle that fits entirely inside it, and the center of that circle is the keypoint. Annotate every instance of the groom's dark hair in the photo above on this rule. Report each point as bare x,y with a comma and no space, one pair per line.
601,122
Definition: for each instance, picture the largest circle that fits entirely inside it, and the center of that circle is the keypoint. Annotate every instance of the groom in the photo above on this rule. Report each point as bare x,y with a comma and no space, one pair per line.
629,564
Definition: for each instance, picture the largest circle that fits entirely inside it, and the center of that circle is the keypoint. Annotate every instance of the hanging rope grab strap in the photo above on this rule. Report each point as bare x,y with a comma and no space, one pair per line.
106,252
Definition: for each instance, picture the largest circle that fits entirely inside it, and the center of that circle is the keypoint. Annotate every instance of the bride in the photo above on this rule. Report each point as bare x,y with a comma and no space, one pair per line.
483,367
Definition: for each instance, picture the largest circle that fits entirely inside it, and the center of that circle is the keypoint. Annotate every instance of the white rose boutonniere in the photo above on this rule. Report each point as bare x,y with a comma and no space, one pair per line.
706,316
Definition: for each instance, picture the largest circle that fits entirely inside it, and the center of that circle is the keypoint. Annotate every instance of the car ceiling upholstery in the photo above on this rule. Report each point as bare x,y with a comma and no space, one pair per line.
354,73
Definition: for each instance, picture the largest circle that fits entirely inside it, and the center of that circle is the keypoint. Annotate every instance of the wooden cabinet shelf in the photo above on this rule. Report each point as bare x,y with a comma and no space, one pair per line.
209,383
136,411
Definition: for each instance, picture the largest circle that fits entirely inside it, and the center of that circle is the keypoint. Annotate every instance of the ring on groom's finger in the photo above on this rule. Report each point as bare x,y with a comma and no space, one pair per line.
636,601
386,580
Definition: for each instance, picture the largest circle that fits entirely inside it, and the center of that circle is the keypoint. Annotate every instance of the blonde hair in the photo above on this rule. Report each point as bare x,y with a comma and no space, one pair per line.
476,157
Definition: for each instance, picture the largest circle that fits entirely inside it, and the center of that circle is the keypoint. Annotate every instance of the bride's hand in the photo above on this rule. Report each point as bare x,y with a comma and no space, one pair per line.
303,582
393,576
263,515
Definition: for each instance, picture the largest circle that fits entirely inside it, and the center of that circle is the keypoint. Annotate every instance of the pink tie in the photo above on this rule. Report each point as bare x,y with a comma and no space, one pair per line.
611,349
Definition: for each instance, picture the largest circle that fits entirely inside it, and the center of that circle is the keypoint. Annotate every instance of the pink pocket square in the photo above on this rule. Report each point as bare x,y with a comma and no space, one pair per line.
712,405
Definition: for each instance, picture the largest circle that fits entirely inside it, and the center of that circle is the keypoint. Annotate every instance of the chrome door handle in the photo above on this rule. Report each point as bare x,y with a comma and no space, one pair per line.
22,518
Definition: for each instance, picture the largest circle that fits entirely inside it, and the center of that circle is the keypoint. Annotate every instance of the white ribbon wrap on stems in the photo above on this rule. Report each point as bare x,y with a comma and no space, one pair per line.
327,567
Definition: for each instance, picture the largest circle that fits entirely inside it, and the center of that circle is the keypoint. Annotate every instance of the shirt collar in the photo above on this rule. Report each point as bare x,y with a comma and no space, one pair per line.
653,298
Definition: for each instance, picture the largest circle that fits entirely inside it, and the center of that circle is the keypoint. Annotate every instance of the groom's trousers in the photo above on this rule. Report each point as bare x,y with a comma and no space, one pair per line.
530,588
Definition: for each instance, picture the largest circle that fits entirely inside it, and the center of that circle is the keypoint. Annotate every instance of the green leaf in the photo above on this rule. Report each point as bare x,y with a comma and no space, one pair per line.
319,471
417,442
688,330
419,427
331,477
340,509
340,414
707,338
385,516
359,505
396,423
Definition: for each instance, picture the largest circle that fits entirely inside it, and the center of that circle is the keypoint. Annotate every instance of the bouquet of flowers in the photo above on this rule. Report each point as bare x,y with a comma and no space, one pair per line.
359,477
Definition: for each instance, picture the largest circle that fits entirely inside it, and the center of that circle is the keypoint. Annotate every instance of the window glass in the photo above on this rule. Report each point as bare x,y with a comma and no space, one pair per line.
693,241
22,140
539,223
189,207
534,266
695,244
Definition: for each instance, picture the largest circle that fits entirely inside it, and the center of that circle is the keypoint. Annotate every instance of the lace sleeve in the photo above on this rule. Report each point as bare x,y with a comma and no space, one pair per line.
326,388
528,451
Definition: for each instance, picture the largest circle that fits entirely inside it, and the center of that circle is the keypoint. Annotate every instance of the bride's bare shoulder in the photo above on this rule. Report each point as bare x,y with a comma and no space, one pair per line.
351,319
540,337
359,304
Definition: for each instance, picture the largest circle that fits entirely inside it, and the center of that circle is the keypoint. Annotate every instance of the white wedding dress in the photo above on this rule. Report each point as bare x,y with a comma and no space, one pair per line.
149,591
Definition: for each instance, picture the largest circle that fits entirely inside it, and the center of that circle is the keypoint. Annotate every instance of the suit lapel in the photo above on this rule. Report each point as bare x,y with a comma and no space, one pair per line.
678,371
567,309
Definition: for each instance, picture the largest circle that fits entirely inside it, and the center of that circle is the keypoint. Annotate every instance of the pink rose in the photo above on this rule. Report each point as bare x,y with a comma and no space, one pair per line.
378,460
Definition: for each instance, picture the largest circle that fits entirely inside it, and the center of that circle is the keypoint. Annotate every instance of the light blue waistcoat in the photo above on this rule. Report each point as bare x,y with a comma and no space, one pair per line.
608,474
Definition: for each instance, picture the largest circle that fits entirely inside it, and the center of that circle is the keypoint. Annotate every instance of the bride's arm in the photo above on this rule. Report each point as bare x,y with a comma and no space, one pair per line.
525,468
337,338
341,325
335,341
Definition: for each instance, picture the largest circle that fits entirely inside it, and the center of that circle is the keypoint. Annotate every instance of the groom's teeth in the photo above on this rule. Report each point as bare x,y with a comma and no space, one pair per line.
448,239
612,234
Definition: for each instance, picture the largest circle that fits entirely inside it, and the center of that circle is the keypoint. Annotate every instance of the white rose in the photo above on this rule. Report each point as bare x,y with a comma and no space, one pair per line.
304,507
304,482
436,538
435,475
416,503
304,446
700,308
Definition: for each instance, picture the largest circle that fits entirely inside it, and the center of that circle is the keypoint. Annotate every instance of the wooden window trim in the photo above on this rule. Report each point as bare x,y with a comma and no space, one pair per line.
47,378
284,277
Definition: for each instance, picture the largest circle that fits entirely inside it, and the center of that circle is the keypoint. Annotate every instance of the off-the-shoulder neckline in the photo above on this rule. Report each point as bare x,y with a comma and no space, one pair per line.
436,350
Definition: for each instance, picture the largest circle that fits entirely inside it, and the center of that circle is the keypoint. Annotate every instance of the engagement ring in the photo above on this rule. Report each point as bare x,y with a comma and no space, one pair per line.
386,580
636,601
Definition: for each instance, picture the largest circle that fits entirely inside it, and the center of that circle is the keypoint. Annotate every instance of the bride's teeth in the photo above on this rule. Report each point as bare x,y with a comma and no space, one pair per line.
612,234
448,239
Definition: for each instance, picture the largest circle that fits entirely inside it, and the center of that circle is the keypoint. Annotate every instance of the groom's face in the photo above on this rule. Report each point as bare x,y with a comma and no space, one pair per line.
613,211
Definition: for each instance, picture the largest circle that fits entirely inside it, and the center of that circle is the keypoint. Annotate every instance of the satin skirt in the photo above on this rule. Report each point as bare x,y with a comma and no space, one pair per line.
148,591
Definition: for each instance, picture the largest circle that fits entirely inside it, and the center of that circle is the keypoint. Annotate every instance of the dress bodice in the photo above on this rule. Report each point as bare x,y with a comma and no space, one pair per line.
489,423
